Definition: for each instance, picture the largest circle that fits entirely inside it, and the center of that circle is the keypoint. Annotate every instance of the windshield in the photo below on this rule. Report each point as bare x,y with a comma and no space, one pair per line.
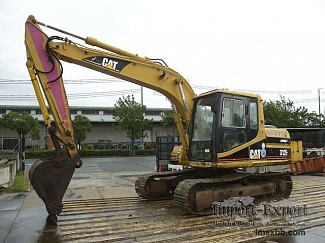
202,123
202,130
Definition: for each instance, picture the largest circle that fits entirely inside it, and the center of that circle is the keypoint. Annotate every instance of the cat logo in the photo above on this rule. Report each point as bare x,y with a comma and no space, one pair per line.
258,153
109,63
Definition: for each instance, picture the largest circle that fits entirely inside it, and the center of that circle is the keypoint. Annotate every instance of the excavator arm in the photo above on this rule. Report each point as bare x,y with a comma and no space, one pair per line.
44,56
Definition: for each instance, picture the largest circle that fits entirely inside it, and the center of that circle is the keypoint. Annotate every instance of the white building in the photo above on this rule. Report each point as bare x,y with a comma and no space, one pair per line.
103,125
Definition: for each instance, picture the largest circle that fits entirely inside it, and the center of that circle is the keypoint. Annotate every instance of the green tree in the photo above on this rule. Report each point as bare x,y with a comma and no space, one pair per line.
167,118
81,125
314,120
283,113
23,124
129,115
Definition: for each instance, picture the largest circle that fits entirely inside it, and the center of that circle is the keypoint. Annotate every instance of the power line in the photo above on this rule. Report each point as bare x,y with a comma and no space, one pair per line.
124,92
66,81
309,100
75,95
301,92
112,80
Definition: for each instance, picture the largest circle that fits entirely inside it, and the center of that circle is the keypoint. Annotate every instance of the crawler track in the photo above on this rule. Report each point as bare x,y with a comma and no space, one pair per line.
187,191
136,220
157,186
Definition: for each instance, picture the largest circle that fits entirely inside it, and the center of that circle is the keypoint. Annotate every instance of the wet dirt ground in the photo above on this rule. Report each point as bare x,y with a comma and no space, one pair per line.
101,205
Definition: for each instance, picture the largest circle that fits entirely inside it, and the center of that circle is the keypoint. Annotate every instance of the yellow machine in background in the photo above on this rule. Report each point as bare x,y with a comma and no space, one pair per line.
305,164
226,129
296,150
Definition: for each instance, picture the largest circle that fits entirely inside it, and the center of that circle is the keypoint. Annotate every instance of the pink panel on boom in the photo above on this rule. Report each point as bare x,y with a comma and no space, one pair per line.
56,87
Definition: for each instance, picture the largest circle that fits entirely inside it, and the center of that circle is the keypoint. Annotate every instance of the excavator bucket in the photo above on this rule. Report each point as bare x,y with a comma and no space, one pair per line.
50,179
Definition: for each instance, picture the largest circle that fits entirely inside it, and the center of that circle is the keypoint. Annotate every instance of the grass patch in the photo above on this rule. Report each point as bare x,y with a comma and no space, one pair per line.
19,183
17,186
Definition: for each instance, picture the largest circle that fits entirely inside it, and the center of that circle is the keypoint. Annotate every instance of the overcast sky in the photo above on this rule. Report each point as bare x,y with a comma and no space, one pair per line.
269,47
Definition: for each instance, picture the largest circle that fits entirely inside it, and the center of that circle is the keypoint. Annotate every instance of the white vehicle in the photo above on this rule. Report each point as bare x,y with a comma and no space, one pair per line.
315,152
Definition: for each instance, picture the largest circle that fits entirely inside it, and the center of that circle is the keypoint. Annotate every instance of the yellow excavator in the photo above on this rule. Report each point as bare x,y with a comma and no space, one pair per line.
222,149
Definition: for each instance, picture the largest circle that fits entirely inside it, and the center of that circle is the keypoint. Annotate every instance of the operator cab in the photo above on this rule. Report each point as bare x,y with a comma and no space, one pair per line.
222,121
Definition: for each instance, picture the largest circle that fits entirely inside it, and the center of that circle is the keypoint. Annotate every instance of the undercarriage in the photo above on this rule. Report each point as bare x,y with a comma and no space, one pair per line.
196,190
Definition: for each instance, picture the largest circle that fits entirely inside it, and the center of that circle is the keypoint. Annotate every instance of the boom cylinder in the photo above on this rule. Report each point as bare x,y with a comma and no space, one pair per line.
94,42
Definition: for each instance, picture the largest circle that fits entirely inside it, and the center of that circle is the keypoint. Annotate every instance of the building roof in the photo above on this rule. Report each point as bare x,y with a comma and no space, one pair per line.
35,107
93,113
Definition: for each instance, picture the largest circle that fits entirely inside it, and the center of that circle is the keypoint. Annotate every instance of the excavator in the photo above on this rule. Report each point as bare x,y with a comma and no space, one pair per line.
223,148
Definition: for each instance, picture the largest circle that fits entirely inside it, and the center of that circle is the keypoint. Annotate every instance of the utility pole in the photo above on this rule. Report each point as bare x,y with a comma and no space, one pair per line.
141,95
319,100
319,115
142,144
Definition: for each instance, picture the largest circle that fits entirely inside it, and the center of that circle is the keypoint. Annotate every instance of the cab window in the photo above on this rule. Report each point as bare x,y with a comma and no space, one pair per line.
253,115
233,113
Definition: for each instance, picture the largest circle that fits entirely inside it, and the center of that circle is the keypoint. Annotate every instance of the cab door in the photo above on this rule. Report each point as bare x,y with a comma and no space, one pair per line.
238,125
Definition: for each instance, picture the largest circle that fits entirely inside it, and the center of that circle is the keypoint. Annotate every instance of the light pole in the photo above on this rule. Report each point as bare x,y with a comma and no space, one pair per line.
142,144
141,95
319,116
319,100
